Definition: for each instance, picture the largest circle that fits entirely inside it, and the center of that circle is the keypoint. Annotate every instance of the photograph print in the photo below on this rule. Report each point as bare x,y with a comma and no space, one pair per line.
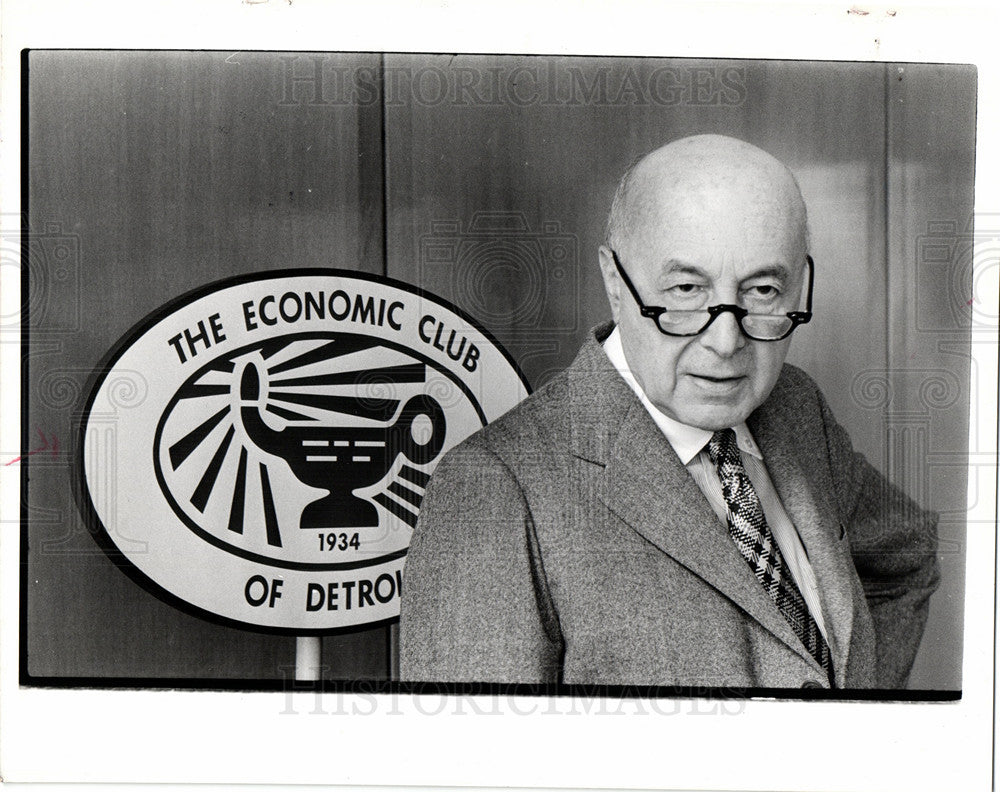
543,373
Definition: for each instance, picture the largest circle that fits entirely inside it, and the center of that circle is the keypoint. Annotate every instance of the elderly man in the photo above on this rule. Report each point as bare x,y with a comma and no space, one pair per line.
679,507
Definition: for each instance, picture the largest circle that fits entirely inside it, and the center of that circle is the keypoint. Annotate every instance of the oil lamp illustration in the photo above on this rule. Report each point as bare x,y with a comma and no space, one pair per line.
300,425
342,459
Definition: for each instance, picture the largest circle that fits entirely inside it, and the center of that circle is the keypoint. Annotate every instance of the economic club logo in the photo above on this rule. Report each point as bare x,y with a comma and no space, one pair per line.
274,472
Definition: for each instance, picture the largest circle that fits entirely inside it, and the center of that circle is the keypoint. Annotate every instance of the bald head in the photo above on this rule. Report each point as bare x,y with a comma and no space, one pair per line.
720,177
707,221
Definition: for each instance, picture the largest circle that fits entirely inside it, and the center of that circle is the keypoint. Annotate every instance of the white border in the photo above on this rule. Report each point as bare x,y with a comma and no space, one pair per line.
253,738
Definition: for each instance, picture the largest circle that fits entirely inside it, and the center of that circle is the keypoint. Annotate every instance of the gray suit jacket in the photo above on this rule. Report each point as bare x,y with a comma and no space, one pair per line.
566,543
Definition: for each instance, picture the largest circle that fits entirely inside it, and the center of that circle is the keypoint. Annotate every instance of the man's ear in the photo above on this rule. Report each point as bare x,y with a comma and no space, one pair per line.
612,280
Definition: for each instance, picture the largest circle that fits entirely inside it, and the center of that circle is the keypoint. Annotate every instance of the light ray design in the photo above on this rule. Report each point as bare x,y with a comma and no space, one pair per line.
197,391
382,410
414,476
329,351
239,495
270,515
201,494
396,508
405,497
289,415
410,372
411,497
182,449
232,467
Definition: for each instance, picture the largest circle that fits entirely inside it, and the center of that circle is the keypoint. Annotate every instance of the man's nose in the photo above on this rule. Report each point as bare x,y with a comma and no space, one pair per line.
724,336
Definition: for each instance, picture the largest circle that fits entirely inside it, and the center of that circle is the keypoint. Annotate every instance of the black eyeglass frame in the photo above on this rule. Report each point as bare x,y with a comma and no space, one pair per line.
654,312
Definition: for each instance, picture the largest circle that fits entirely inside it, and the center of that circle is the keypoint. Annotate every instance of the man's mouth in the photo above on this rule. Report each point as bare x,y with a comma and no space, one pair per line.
718,378
713,385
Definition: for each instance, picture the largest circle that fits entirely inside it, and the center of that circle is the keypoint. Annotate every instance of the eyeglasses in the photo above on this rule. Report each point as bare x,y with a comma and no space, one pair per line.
756,326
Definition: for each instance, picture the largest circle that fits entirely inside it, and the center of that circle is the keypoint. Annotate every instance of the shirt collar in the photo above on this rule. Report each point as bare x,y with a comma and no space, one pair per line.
687,441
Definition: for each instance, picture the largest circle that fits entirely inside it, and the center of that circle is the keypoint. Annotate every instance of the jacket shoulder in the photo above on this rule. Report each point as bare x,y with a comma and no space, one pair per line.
537,422
795,396
794,380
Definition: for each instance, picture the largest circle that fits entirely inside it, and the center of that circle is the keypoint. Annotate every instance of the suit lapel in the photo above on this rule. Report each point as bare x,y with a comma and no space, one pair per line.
645,484
813,516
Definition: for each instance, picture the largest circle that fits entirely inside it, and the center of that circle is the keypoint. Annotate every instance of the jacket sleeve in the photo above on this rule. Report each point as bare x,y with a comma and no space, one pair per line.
475,605
894,547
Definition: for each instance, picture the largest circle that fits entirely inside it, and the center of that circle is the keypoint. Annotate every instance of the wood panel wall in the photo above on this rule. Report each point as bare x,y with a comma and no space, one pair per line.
931,318
168,171
175,169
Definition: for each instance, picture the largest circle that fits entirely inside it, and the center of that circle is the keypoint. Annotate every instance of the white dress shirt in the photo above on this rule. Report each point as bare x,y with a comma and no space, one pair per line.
690,443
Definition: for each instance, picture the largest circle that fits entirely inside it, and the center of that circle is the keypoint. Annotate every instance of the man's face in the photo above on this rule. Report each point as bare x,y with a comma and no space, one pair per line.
718,246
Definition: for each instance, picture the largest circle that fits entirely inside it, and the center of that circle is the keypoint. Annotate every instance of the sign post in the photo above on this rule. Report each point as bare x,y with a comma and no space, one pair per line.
308,657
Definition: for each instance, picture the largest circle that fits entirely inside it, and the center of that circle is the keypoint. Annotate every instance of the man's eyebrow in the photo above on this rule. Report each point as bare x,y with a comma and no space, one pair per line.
774,271
677,267
674,266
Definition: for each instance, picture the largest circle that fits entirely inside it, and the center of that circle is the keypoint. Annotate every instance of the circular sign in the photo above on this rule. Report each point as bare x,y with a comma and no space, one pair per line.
268,461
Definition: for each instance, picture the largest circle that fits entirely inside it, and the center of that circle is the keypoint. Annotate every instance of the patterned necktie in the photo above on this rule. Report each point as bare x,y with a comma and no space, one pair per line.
756,544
